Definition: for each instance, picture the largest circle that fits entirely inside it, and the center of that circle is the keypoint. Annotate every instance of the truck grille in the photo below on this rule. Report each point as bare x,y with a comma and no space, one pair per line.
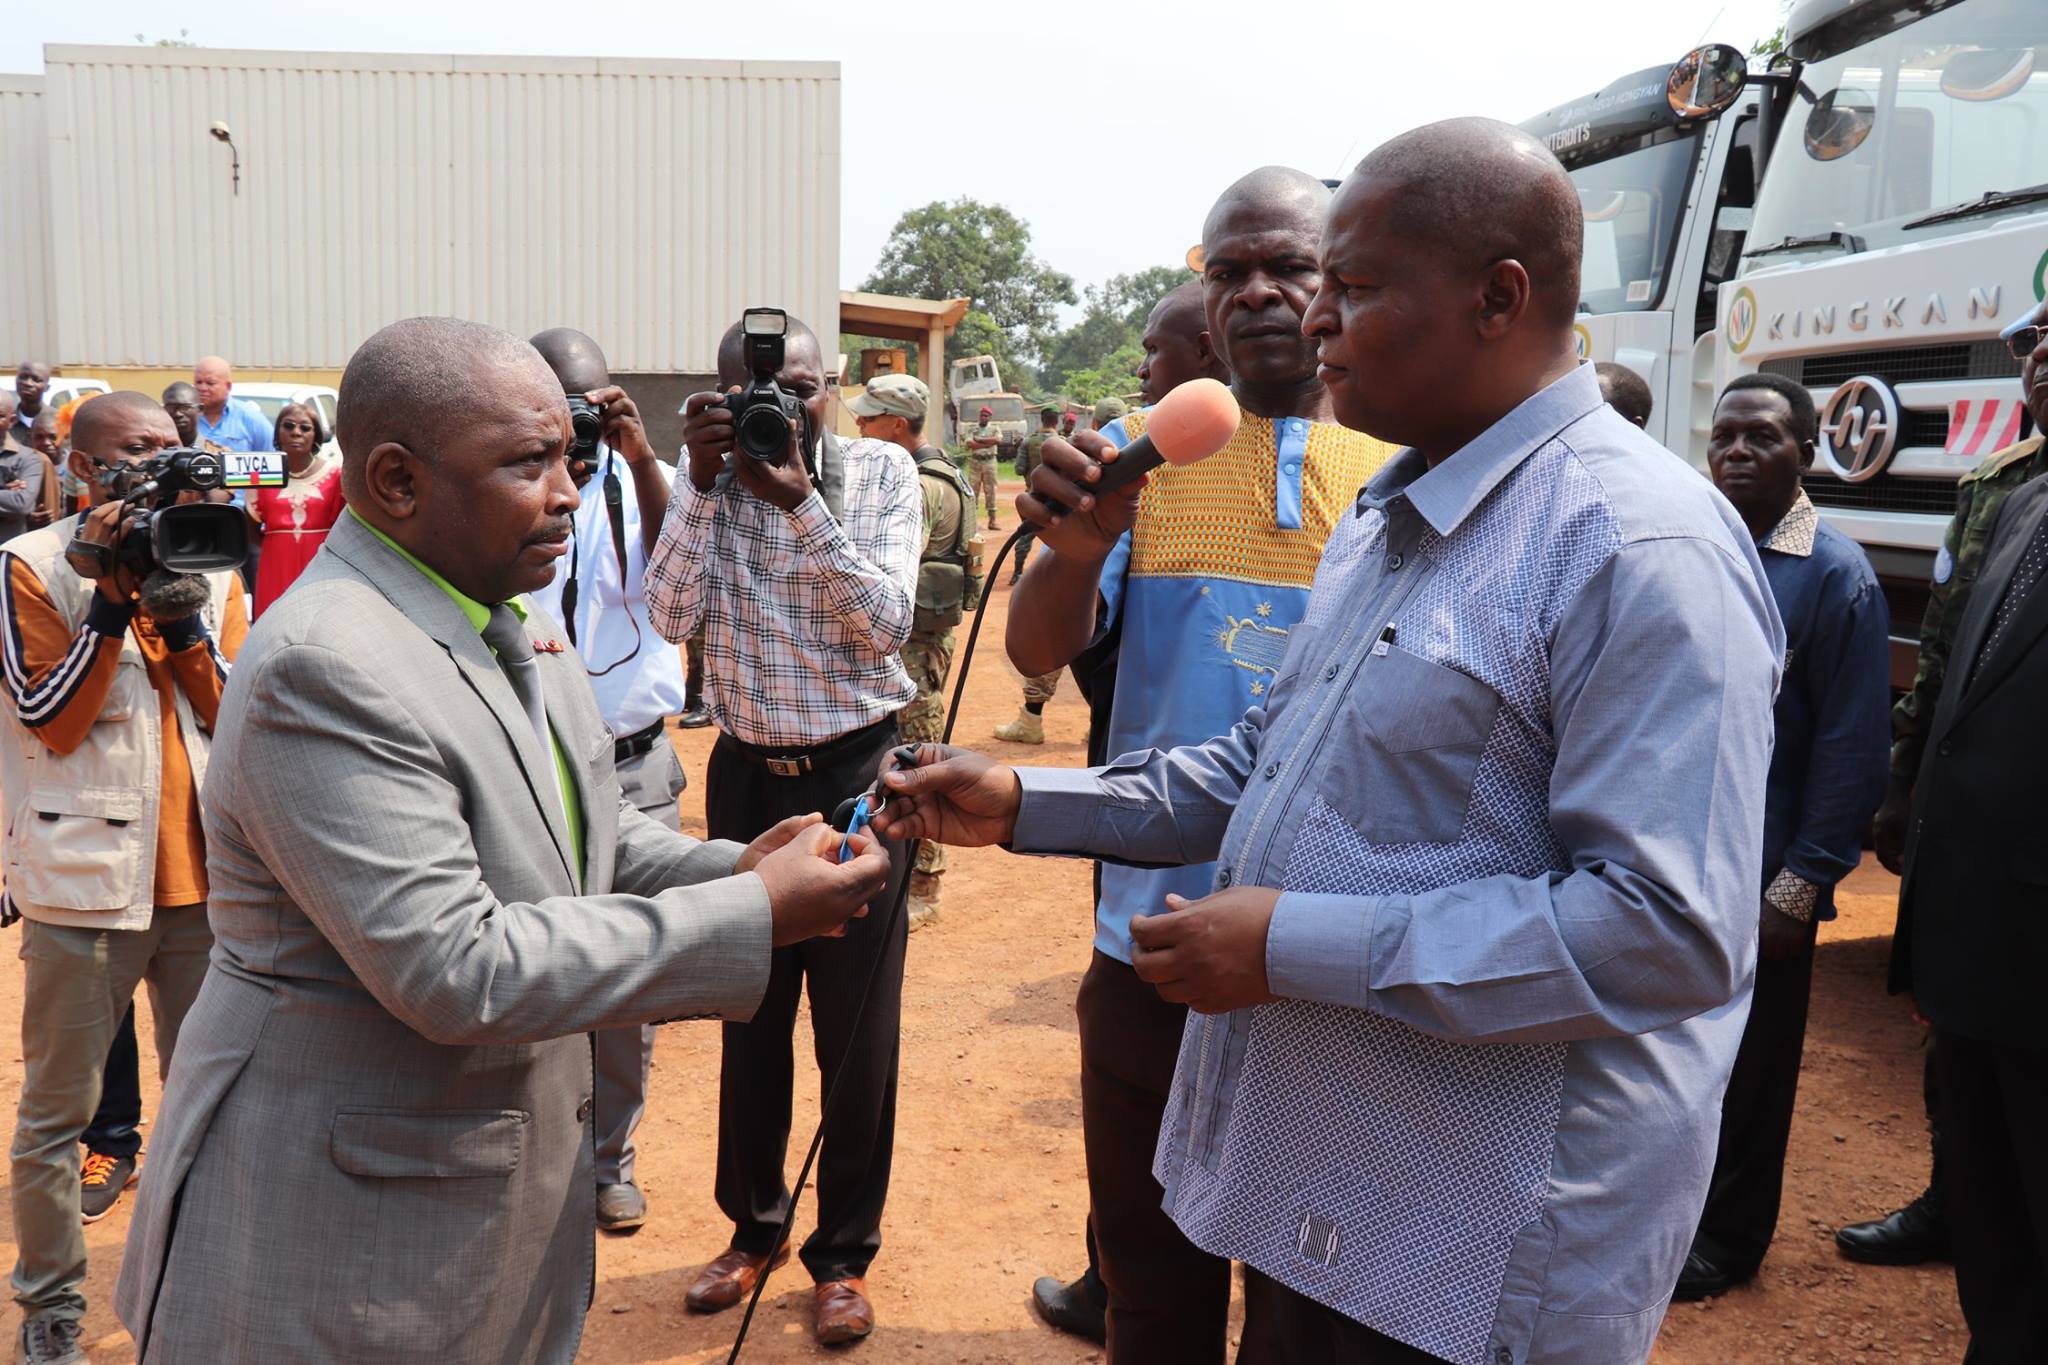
1901,365
1885,494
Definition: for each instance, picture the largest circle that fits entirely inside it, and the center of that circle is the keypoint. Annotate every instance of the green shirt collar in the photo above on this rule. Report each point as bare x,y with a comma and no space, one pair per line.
479,615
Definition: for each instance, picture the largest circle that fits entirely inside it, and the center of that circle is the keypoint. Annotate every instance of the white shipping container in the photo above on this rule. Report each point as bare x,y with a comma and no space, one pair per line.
27,291
646,202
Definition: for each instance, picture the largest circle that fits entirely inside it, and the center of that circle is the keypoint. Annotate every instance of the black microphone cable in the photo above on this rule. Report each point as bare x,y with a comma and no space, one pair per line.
867,991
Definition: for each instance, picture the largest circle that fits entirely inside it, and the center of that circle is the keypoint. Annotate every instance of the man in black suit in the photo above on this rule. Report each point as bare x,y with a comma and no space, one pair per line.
1972,941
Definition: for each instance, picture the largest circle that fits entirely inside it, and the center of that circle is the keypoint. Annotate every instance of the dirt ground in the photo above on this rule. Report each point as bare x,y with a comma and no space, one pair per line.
988,1191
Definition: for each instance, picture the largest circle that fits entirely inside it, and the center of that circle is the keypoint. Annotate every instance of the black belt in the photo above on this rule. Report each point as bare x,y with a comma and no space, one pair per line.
637,743
786,760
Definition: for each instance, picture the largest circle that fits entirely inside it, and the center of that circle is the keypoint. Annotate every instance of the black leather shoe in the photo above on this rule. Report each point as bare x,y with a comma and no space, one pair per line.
620,1208
1069,1308
1909,1236
1702,1279
694,717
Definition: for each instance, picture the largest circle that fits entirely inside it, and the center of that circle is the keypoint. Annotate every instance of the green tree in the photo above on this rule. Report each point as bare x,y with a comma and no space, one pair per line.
1132,296
1114,319
1114,377
982,252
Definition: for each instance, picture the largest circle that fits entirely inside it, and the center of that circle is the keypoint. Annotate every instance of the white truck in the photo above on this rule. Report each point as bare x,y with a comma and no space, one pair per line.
1666,164
1903,223
977,383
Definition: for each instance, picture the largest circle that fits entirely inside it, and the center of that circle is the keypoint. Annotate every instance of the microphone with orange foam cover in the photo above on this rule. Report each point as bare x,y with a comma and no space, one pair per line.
1192,423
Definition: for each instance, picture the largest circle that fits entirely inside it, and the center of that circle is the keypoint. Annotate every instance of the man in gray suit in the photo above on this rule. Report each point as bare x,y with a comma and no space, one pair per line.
375,1142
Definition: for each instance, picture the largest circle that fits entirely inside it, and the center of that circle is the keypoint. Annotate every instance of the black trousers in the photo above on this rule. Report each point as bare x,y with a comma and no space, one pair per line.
116,1128
757,1072
1937,1170
1756,1118
1168,1299
1994,1112
1299,1331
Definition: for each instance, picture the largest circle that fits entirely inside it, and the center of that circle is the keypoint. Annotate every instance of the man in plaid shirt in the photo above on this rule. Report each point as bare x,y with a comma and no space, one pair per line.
803,576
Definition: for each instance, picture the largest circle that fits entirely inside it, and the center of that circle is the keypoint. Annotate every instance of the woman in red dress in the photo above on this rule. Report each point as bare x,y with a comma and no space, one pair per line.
295,519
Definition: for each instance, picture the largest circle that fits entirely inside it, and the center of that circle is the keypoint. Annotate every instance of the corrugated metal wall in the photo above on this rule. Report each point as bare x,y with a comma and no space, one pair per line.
645,202
27,292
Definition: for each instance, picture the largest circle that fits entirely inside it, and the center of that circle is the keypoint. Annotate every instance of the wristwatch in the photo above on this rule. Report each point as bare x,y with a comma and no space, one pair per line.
1792,895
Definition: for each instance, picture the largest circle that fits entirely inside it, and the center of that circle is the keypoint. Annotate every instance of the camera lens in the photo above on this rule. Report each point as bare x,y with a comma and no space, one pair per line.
763,433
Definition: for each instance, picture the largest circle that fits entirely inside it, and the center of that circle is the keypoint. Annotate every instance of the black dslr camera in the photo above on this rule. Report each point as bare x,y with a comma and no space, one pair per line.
762,412
586,427
199,537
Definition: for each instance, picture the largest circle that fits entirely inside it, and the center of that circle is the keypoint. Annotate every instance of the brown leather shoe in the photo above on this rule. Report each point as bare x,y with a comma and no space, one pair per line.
730,1278
842,1311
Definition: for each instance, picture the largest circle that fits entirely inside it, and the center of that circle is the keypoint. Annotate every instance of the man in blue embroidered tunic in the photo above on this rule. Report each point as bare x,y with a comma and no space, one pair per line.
1479,954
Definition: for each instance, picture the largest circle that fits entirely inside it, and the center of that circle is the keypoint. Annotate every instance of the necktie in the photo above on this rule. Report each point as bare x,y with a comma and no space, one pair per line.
505,633
2024,579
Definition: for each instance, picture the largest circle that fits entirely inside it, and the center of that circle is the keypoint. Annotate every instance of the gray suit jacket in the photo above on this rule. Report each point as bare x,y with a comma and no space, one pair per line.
24,465
375,1141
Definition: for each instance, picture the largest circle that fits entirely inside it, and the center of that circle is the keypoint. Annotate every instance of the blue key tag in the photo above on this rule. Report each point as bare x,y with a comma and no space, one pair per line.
858,822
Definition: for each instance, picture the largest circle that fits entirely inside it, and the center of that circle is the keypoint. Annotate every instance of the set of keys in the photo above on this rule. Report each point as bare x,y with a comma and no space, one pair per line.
855,813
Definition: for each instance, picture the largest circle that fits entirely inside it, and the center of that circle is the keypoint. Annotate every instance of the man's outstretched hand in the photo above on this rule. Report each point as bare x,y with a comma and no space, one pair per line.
777,835
953,796
1210,954
810,892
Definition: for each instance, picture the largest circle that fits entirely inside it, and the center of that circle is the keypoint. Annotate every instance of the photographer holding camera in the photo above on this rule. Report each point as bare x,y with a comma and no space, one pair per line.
799,555
599,597
114,667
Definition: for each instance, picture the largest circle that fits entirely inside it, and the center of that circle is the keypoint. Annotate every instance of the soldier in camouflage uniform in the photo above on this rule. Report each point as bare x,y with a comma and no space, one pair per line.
1029,726
984,441
1979,495
892,408
1027,460
1918,1232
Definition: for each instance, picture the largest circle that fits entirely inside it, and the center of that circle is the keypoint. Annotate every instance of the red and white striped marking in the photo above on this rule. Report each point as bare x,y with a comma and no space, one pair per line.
1978,426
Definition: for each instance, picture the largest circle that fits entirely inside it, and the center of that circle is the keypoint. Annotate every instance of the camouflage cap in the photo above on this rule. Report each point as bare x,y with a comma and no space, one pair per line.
1107,410
891,395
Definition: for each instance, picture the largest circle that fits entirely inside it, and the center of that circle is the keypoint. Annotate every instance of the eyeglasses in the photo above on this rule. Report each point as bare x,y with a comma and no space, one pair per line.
2023,341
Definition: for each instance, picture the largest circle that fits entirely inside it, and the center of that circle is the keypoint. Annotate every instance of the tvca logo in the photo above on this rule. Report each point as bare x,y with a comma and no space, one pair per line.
1859,429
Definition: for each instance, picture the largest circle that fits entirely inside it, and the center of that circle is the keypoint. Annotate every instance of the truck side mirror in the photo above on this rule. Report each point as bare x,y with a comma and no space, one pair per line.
1706,81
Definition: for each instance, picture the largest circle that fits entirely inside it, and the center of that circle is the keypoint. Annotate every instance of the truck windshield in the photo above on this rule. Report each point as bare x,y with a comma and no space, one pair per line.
1633,202
1931,116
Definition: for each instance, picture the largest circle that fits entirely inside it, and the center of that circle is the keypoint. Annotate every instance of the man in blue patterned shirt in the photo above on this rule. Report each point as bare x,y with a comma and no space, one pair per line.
1478,955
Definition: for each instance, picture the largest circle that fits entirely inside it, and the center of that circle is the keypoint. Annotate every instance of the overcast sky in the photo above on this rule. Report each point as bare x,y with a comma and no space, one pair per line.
1118,121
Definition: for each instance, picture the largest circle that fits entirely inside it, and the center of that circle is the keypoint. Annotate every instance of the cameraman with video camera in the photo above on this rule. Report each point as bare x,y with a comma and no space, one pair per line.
599,597
798,553
114,666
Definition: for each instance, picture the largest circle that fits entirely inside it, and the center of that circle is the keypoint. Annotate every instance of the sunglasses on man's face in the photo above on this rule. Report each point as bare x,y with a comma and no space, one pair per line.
2022,341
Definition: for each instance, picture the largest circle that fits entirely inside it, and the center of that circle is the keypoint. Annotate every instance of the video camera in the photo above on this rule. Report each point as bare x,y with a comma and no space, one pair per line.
199,537
762,412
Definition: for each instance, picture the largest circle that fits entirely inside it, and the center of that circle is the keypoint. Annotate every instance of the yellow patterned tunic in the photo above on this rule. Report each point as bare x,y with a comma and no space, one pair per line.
1207,585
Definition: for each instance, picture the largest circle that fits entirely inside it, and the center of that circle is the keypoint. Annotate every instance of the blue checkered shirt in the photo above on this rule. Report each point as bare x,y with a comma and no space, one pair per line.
1510,785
